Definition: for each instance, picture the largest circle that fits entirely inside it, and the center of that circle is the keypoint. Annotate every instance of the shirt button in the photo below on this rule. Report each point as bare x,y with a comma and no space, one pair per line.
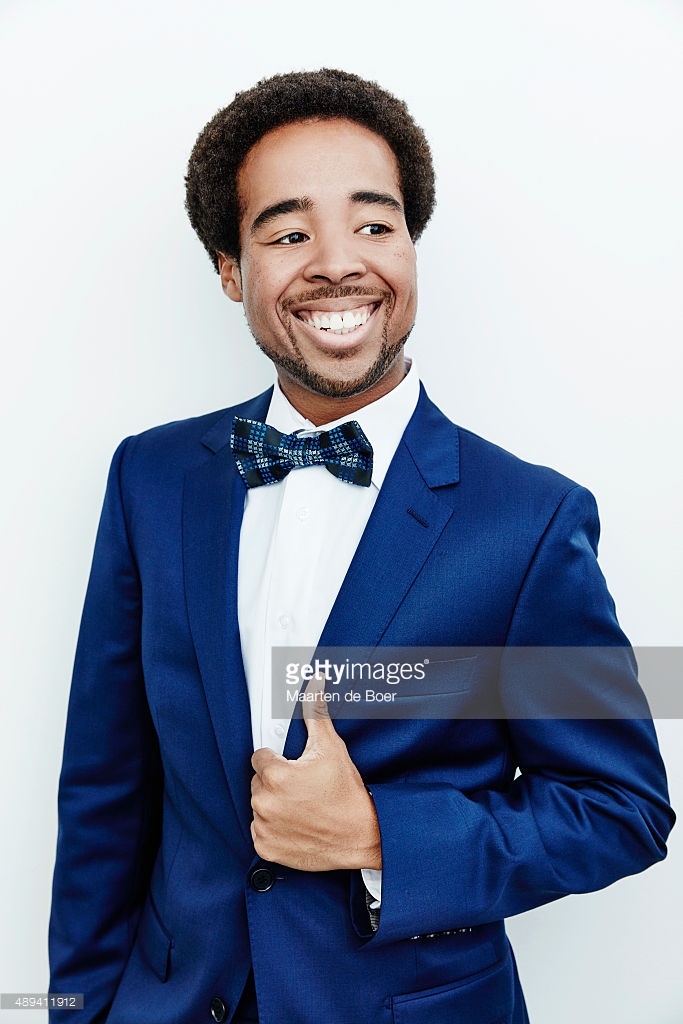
303,513
279,730
284,621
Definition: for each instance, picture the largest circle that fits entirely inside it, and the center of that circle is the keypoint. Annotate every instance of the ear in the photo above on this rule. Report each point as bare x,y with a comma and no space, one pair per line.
231,279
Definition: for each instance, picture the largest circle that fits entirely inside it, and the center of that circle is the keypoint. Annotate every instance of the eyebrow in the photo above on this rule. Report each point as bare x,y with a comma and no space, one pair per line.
303,205
376,199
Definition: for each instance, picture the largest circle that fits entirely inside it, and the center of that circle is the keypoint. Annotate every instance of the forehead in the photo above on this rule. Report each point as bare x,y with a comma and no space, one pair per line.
316,158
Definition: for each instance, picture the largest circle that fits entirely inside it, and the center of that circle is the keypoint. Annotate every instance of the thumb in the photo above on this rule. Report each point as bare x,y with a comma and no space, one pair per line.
316,712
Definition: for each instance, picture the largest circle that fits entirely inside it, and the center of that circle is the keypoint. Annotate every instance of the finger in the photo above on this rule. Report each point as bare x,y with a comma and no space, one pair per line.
316,712
263,758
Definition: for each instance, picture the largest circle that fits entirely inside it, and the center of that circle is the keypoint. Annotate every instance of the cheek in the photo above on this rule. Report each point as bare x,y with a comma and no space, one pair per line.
262,293
256,302
405,276
408,289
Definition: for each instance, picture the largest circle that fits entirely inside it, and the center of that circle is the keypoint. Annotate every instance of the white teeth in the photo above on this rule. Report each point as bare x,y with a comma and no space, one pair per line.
337,323
321,321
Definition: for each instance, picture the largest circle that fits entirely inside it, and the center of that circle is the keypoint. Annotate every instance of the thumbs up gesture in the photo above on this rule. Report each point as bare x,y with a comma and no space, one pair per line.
314,814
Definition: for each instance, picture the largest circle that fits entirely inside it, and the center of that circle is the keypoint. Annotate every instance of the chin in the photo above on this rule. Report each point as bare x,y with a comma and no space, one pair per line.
329,387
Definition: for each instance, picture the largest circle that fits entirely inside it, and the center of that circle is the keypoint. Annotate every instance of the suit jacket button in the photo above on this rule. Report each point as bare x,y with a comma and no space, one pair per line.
219,1010
262,879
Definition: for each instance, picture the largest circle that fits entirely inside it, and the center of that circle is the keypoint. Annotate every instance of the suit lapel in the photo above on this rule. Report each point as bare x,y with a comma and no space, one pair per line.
213,505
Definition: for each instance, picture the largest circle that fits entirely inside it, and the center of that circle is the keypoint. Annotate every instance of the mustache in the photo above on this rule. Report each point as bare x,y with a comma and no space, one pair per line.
341,291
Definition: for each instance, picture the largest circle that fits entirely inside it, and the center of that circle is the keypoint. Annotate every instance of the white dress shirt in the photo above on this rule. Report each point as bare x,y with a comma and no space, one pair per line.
296,544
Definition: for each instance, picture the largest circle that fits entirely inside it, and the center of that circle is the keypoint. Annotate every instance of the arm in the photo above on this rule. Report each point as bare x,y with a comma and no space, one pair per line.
591,802
110,786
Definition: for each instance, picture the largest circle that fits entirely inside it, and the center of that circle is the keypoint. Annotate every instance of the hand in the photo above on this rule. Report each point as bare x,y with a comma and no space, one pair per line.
314,814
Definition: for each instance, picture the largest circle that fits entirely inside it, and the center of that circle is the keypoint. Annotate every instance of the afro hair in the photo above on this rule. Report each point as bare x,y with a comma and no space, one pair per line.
212,199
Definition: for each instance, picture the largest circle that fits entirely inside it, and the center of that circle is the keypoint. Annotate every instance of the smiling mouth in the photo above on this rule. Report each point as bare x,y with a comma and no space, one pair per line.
343,321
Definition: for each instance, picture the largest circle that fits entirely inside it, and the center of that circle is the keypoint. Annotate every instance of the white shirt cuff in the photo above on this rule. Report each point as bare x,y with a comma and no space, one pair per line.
372,880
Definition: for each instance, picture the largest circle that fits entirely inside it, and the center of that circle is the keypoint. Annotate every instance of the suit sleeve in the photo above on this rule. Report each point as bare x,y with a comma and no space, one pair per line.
109,792
590,804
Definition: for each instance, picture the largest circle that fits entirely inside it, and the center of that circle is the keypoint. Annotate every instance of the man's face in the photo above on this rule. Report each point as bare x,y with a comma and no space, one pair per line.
327,272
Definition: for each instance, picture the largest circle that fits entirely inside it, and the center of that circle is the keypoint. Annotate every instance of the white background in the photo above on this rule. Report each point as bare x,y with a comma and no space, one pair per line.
550,322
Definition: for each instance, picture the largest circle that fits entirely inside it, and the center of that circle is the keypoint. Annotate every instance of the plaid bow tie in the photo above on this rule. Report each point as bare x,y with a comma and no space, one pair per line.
264,455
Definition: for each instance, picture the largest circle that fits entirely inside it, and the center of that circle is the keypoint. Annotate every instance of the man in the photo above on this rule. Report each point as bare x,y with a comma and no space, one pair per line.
357,869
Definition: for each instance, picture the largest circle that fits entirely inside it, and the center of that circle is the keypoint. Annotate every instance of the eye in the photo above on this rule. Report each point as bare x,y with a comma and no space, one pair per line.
293,238
375,229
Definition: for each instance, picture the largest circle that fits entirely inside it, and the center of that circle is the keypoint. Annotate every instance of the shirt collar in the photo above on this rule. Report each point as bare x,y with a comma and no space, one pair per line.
383,421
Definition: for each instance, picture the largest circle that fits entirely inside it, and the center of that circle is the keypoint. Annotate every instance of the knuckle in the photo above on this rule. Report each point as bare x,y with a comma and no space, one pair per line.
257,805
264,808
273,776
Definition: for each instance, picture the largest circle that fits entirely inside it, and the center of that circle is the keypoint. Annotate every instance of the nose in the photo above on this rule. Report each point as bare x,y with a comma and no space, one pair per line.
334,258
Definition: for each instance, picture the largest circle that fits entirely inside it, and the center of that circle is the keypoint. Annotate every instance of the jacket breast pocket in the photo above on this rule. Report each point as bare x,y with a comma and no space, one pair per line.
154,942
444,671
439,687
483,998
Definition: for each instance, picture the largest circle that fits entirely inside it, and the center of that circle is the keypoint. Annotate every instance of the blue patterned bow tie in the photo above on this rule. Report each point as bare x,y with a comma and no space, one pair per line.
264,455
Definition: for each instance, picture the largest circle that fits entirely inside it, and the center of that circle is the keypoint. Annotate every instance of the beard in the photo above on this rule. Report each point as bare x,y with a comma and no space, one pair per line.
296,367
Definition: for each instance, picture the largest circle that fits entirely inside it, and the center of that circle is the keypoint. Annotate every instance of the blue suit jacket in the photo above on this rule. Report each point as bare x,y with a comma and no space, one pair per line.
153,912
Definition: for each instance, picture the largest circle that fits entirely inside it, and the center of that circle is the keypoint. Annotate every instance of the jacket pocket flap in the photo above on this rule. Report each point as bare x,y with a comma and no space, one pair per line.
486,997
154,942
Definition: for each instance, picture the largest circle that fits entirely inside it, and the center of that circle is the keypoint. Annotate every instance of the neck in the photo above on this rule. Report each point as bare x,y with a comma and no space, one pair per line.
325,408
